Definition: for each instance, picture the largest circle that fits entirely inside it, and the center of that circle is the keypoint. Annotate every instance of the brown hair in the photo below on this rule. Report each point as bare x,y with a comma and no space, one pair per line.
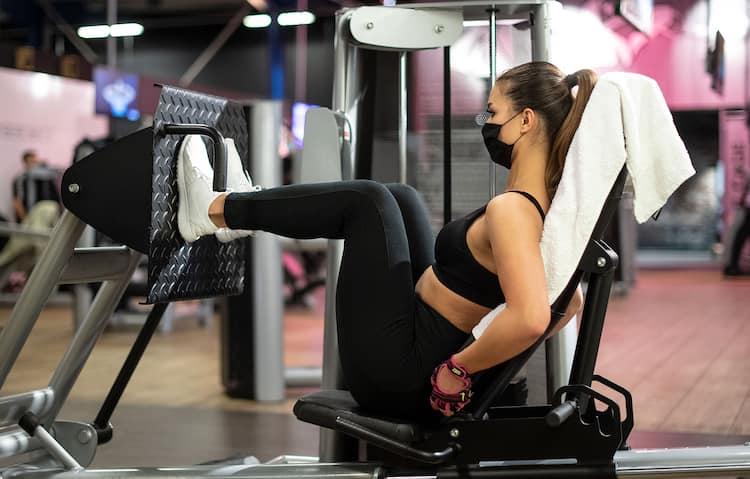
542,87
27,155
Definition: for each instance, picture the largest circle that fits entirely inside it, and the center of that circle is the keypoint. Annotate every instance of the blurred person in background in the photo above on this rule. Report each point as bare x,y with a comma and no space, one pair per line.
37,183
742,233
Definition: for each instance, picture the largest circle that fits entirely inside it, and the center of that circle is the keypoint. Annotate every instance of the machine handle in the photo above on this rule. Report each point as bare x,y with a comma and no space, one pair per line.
220,149
385,442
560,414
629,421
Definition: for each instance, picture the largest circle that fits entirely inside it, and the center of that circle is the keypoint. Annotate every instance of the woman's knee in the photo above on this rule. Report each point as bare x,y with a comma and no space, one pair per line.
401,189
373,191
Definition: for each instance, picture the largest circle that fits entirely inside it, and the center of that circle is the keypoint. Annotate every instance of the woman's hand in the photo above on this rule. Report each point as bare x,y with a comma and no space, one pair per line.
451,388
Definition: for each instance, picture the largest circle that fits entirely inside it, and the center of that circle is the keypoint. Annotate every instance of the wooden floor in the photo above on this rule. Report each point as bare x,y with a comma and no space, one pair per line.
680,341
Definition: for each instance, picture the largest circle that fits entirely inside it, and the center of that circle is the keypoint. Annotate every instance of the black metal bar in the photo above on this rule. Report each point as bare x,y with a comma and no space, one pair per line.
385,442
500,376
629,422
557,416
447,152
592,323
101,423
220,150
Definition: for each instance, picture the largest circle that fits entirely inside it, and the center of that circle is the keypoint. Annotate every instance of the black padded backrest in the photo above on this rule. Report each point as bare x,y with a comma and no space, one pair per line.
605,218
491,383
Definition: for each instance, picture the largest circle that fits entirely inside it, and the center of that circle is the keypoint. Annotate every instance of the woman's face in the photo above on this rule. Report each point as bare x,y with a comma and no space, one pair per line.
501,112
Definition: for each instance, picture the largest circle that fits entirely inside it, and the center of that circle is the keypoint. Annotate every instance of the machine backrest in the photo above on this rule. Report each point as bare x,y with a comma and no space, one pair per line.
492,382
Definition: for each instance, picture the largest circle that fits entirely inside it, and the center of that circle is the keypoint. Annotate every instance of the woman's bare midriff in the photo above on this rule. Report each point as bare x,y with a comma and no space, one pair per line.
459,311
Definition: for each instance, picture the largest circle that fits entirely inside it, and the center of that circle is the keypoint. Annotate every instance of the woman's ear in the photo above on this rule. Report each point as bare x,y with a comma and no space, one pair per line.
529,120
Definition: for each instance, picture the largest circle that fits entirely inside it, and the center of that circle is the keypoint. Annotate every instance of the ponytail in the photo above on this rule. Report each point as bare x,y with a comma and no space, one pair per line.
585,80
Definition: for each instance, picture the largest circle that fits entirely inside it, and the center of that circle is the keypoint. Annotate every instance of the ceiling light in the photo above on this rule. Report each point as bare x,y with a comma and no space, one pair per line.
257,21
288,19
126,30
116,30
94,31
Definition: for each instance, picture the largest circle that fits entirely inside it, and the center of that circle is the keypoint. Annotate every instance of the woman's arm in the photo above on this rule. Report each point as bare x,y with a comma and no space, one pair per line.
514,230
20,210
574,307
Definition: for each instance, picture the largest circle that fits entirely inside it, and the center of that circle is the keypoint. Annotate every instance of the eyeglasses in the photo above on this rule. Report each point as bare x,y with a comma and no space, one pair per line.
482,118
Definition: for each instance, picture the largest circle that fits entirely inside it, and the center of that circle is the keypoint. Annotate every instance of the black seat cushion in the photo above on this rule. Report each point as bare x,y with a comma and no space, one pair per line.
324,407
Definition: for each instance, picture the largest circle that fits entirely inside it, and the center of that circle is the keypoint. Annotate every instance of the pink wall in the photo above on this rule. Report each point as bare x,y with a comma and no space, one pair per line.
590,35
49,114
675,58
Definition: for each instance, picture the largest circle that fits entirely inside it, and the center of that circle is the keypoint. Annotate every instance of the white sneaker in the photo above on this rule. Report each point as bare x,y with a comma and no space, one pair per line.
195,187
238,181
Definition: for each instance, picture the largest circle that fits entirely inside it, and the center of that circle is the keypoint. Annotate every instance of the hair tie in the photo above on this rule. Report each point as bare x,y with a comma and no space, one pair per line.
571,80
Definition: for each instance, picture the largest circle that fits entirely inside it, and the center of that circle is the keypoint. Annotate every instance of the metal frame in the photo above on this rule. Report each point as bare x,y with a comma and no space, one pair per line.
115,265
81,296
60,262
556,365
271,376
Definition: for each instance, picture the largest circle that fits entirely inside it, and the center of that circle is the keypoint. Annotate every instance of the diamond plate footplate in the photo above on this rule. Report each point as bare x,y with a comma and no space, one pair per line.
205,268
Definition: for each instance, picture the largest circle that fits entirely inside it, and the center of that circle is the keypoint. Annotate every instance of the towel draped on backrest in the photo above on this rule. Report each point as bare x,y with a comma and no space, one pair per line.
626,122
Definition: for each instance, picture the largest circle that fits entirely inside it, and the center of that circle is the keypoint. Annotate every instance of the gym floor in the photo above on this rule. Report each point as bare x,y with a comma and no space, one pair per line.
680,341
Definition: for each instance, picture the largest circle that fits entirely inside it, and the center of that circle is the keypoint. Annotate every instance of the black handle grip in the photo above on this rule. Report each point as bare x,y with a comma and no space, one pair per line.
389,444
560,414
29,422
220,149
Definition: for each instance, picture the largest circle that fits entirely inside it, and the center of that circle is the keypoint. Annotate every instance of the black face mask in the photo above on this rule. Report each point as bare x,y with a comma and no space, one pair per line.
500,152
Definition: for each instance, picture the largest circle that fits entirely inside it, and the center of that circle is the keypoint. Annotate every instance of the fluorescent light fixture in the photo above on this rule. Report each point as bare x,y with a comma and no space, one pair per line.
289,19
261,20
94,31
126,29
116,30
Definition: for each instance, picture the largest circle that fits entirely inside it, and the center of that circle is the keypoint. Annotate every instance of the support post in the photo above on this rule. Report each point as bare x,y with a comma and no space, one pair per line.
403,116
300,53
559,349
268,304
40,284
541,31
493,76
86,335
334,446
447,151
111,41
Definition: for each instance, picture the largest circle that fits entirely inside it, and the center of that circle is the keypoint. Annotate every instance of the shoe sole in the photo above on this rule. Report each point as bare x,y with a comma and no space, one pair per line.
183,209
229,235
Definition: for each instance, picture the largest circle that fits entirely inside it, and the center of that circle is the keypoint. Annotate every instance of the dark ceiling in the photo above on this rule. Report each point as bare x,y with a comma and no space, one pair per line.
17,16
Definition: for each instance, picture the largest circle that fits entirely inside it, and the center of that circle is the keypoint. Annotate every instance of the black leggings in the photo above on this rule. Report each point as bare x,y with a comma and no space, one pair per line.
389,340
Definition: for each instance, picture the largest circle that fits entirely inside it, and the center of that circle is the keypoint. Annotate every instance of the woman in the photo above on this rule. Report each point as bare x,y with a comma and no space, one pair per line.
403,311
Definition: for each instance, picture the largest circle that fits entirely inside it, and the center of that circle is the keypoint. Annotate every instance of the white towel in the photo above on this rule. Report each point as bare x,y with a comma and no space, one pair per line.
626,121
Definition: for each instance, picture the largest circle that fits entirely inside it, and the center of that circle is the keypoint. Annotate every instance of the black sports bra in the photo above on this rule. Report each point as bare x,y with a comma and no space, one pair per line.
457,269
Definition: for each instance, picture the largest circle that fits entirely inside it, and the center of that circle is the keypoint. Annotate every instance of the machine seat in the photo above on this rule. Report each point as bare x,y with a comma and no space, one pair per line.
582,439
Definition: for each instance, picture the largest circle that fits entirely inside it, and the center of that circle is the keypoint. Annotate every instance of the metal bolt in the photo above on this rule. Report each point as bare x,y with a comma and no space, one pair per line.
439,28
370,25
84,436
601,262
74,188
454,433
